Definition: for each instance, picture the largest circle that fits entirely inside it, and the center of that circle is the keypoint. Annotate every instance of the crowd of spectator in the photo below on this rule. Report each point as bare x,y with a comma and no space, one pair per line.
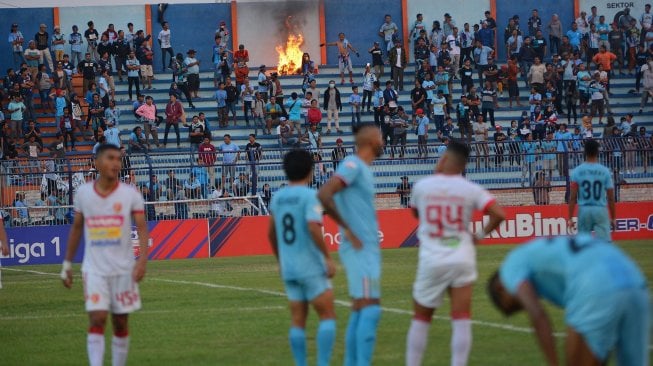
568,77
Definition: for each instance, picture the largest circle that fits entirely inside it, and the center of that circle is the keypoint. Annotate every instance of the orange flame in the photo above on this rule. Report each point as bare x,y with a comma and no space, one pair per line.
290,58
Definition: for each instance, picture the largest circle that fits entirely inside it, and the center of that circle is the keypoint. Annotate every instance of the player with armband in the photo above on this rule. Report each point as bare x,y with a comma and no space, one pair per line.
592,187
295,233
444,203
105,211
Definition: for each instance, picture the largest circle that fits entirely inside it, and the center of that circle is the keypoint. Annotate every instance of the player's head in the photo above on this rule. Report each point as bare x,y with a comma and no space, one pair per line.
298,165
591,149
368,137
504,301
454,159
108,161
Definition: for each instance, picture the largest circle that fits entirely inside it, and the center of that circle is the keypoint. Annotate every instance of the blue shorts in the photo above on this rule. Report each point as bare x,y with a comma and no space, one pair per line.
363,268
306,289
621,320
594,218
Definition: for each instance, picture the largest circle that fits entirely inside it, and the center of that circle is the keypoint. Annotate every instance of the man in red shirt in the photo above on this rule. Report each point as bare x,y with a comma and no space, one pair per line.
174,112
605,58
208,157
241,58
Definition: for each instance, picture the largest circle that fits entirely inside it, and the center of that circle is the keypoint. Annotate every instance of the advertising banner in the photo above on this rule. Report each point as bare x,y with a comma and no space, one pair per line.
398,228
172,239
242,236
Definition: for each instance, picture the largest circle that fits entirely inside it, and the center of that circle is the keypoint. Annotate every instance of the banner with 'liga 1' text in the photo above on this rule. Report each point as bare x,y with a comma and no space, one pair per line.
242,236
170,239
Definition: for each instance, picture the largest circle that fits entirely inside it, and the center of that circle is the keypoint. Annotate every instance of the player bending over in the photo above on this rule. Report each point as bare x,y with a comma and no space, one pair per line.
603,292
105,210
592,188
348,197
296,236
444,203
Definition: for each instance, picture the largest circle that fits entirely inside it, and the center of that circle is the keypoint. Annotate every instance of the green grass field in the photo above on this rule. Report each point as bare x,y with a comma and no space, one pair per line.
232,312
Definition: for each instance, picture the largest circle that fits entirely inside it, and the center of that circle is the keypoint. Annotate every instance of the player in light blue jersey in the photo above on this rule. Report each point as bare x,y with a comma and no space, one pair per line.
348,197
295,233
592,188
603,292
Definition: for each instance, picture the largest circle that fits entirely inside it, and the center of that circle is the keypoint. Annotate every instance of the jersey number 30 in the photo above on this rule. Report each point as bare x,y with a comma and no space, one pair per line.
591,190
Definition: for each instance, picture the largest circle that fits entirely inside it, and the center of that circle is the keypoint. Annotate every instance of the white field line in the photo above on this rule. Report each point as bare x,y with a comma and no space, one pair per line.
82,315
282,294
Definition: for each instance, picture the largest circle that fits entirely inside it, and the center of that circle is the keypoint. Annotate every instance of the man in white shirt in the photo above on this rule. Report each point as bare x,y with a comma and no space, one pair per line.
444,204
387,31
166,46
105,211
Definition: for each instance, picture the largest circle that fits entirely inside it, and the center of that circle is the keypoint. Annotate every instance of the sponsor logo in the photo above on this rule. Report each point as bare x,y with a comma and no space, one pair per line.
335,239
524,226
26,251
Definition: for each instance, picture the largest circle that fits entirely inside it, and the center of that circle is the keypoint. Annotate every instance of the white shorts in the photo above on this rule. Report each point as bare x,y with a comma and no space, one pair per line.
117,294
432,281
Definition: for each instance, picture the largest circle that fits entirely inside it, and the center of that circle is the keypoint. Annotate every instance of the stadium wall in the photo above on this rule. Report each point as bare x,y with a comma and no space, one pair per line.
28,21
259,24
244,236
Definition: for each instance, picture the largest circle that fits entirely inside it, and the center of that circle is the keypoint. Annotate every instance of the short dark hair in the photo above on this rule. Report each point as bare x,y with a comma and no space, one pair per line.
458,149
297,164
491,289
106,147
592,148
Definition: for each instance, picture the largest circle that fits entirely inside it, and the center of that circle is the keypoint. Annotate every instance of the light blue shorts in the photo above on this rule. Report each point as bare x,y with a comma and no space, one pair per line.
306,289
363,270
618,320
594,218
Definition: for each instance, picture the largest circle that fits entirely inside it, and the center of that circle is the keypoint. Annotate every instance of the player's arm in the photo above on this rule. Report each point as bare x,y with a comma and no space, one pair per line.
539,319
143,240
497,215
74,238
325,195
315,229
611,205
272,237
573,199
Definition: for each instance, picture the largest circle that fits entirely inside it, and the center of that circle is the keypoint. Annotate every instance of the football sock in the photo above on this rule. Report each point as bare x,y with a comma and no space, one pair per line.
326,336
95,346
366,333
416,341
350,339
119,349
297,338
461,341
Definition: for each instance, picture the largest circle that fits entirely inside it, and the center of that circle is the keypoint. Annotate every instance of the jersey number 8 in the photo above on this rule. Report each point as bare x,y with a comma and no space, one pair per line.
288,225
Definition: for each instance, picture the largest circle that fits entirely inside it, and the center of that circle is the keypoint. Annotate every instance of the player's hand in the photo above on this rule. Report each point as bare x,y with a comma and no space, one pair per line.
613,225
571,226
355,242
4,249
67,274
321,44
139,271
330,267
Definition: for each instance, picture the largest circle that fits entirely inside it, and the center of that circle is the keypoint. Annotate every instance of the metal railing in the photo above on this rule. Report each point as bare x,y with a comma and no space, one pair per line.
170,181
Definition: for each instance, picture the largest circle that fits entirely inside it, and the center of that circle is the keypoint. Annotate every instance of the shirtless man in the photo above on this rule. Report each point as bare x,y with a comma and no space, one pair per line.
343,56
